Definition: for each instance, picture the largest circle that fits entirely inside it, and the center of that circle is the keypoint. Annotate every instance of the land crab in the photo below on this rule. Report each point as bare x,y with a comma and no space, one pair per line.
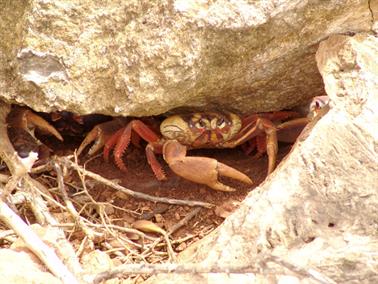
22,124
179,133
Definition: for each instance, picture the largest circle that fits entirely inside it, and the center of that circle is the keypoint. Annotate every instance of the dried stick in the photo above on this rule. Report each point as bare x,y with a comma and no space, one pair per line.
183,221
135,194
145,268
70,207
19,172
190,268
4,178
174,228
7,152
34,243
311,273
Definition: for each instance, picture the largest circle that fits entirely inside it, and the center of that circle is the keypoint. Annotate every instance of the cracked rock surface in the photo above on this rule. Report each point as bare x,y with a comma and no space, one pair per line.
318,210
144,57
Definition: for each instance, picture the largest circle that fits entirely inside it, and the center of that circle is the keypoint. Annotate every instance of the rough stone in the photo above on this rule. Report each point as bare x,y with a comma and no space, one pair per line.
96,261
318,211
26,270
54,238
147,57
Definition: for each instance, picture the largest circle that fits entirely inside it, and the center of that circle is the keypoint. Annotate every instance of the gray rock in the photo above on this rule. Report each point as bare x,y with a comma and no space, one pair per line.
148,57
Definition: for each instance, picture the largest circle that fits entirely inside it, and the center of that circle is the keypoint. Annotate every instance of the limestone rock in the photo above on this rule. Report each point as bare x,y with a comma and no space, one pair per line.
54,238
21,267
148,57
96,261
318,210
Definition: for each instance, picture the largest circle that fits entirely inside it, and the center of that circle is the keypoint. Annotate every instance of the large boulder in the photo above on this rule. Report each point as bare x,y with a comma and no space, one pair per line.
147,57
316,216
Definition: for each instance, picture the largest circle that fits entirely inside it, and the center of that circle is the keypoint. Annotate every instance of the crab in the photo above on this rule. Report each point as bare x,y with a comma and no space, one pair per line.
287,131
22,123
179,133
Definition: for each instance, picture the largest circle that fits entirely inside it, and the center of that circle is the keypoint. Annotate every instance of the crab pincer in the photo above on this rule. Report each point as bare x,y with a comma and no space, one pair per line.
201,170
26,120
22,123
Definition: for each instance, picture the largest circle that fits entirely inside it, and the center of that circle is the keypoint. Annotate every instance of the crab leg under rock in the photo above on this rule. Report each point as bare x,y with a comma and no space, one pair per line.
27,120
99,135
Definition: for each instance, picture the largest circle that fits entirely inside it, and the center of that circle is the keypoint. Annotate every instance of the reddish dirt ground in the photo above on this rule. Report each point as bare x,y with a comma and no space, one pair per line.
140,178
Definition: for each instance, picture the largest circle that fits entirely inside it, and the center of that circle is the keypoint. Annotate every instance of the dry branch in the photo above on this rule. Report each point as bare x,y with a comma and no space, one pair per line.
66,161
70,207
189,268
4,178
20,176
34,243
7,152
174,228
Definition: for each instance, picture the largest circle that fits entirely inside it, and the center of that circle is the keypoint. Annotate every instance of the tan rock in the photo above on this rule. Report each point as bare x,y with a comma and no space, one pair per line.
147,57
55,239
20,268
318,210
96,261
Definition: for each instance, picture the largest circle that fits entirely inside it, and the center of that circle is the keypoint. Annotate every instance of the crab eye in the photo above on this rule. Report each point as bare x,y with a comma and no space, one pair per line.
221,123
200,124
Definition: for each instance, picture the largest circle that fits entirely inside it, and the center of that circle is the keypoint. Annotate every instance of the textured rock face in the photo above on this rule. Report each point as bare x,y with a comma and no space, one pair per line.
147,57
21,267
318,210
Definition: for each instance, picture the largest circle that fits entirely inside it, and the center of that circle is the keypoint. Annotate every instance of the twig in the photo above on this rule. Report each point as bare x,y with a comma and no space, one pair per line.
190,268
70,208
120,239
41,212
184,221
34,243
171,252
8,235
19,172
69,163
85,243
10,185
311,273
4,178
170,268
7,152
41,169
174,228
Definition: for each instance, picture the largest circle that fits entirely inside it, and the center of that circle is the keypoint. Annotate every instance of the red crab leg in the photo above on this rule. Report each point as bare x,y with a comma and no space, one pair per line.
200,169
265,122
111,142
299,122
271,145
274,116
99,135
289,131
154,163
249,146
124,140
261,144
262,125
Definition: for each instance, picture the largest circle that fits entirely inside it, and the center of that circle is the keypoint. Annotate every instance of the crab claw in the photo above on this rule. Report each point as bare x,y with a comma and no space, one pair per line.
28,121
99,135
200,169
